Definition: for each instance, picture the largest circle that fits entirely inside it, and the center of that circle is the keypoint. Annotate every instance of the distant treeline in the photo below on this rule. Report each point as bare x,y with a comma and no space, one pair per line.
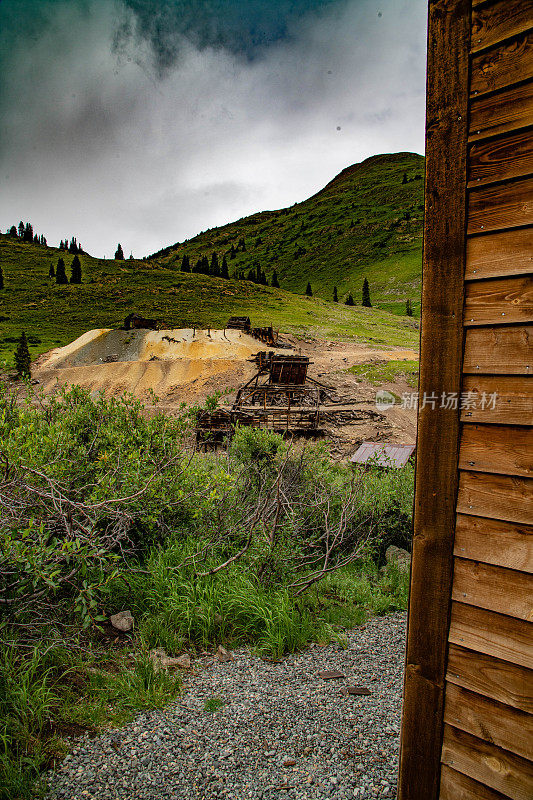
24,232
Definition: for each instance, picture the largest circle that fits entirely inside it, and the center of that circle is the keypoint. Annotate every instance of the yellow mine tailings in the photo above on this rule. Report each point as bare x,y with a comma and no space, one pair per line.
171,363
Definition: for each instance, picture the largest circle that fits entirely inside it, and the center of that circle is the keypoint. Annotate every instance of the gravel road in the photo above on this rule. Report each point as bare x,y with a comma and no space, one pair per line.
282,731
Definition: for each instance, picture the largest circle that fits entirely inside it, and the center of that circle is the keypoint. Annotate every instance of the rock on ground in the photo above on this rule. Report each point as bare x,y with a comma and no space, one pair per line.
282,731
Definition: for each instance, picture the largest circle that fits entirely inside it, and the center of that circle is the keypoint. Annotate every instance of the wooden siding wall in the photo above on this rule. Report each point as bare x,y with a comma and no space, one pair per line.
479,621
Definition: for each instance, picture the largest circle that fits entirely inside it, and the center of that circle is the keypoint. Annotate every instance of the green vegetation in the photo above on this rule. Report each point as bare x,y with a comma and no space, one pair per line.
213,704
366,222
53,315
102,509
387,372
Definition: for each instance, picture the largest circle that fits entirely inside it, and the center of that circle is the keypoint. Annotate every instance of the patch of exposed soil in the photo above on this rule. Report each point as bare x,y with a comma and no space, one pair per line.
186,366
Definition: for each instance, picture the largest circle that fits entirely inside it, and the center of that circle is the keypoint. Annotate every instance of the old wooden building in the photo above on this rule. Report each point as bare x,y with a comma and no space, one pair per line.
467,729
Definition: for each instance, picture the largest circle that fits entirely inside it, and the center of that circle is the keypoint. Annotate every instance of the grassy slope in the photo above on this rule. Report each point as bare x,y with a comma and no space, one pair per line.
352,228
53,315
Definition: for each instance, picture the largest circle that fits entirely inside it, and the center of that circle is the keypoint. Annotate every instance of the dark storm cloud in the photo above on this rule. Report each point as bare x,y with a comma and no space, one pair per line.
146,122
243,27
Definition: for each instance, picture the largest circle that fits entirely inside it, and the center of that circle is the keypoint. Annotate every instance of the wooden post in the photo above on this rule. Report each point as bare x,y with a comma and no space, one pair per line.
441,346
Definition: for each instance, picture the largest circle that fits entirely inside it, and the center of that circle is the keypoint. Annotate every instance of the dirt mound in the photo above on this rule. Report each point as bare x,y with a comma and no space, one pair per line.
179,365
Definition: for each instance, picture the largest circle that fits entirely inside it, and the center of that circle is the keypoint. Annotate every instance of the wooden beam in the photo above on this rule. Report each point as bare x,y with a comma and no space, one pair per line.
494,448
497,21
490,765
494,722
503,399
502,66
499,254
507,591
508,110
494,634
440,371
493,541
491,677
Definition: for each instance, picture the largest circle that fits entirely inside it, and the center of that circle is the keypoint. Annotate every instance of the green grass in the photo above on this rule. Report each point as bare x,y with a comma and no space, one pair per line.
365,222
54,315
381,372
213,704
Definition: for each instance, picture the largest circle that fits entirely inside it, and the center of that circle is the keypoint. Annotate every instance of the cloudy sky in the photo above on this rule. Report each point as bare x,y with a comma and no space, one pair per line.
147,121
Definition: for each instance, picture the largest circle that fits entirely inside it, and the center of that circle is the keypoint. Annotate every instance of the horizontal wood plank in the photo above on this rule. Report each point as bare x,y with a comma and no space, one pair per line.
456,786
494,634
495,448
499,351
498,301
506,591
491,677
505,544
489,765
496,496
509,156
503,399
510,62
503,112
499,254
500,207
494,722
495,22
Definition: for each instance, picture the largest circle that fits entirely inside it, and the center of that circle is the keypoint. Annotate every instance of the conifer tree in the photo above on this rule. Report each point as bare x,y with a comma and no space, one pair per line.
308,290
1,279
366,295
404,179
214,268
274,282
61,275
119,254
335,295
75,267
22,357
232,252
252,276
13,232
224,272
51,271
28,232
185,264
408,308
349,300
21,230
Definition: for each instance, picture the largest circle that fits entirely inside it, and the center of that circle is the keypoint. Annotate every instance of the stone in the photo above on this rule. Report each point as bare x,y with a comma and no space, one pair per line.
358,691
398,556
161,660
328,675
122,621
223,655
289,762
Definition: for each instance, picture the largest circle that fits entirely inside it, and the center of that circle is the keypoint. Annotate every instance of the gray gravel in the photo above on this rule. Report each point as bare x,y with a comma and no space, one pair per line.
342,746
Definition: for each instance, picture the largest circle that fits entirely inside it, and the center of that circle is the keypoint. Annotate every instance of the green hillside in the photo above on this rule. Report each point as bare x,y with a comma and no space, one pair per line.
53,315
366,222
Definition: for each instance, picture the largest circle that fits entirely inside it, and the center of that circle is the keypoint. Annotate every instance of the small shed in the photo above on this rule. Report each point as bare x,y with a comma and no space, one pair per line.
467,727
288,370
378,454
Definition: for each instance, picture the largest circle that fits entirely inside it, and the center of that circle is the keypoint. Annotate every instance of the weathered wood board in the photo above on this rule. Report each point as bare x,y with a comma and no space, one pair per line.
505,544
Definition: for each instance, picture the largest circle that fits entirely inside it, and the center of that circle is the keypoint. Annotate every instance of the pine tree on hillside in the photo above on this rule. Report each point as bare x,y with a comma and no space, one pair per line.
51,271
232,252
366,295
214,269
224,272
13,232
274,282
185,264
349,300
1,279
28,233
404,179
21,230
61,275
308,290
75,273
22,357
119,254
408,308
252,276
335,295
